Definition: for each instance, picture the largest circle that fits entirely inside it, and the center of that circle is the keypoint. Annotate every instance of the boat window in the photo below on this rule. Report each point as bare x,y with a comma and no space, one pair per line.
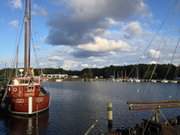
15,82
30,88
10,82
43,90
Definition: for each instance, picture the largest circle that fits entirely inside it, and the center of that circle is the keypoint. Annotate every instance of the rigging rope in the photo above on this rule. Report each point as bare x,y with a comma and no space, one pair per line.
163,22
172,58
34,40
17,45
14,60
169,13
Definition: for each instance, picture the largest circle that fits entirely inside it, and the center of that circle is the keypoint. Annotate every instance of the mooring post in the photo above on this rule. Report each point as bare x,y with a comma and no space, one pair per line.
109,116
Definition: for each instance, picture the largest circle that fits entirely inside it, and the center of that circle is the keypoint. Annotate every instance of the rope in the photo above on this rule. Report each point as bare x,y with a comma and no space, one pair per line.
17,45
34,40
163,22
14,60
144,129
154,36
35,53
165,118
172,58
91,128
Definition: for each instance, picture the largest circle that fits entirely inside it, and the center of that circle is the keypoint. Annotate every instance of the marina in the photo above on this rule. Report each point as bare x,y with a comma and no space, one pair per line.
99,67
77,105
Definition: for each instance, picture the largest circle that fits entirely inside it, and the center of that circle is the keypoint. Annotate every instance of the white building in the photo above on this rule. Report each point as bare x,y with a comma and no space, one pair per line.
56,76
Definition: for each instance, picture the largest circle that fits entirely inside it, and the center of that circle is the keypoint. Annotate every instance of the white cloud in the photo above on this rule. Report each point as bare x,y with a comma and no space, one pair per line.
85,65
55,58
112,21
152,53
14,23
95,9
153,62
16,3
134,28
39,11
70,64
105,45
89,65
90,18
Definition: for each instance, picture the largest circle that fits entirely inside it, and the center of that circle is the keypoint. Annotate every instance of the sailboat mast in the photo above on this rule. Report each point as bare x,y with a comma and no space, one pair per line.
137,72
27,37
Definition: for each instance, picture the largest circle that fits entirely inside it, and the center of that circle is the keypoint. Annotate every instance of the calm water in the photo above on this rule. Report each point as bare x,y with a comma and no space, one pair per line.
76,105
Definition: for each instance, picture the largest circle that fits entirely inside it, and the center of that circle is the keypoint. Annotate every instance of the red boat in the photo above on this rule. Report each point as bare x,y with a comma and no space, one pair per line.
24,92
26,96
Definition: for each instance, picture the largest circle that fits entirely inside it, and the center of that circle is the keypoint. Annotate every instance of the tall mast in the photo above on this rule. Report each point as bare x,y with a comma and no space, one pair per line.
137,72
27,36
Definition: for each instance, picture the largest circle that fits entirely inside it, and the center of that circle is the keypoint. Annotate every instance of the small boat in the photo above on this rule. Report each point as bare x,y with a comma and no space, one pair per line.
173,81
154,81
59,80
164,81
25,95
137,80
130,80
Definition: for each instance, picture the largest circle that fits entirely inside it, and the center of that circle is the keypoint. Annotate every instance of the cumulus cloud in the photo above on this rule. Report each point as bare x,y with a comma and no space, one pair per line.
154,54
70,64
134,29
16,3
84,54
82,19
14,23
109,8
55,58
39,11
153,62
105,45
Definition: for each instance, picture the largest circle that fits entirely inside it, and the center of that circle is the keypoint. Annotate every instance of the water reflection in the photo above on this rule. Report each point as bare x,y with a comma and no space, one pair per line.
34,125
76,105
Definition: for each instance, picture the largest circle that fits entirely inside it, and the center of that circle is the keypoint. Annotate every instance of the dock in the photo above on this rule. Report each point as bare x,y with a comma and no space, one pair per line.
141,106
152,126
149,128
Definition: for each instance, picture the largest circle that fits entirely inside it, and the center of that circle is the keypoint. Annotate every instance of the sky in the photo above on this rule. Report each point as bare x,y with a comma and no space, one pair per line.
77,34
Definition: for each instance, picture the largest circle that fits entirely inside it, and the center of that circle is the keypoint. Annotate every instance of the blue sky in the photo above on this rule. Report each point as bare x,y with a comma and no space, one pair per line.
75,34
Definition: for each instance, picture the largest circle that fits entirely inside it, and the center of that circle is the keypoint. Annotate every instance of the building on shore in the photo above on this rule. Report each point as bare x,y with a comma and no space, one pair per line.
56,76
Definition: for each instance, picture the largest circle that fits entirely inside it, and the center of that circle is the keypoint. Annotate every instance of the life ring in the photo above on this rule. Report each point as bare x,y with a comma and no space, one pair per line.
14,89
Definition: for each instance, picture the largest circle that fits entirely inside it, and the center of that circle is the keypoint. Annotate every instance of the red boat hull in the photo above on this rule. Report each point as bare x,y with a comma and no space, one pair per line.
27,99
23,105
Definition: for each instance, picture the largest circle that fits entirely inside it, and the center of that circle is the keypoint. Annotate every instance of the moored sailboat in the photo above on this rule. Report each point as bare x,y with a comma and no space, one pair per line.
25,95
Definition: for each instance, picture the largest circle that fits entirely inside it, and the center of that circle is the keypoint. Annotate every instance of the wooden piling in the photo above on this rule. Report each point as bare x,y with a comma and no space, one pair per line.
109,116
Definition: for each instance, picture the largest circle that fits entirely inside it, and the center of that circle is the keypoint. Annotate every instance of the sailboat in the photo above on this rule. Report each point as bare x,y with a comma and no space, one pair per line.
25,95
137,80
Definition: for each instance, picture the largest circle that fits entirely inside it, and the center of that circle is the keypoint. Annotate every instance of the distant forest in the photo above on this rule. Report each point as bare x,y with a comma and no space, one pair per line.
141,71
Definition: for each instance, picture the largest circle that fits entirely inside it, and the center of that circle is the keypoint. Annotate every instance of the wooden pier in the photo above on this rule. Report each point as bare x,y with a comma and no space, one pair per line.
152,126
141,106
149,128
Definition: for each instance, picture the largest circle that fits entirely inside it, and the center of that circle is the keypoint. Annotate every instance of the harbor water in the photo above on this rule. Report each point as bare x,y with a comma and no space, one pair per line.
76,105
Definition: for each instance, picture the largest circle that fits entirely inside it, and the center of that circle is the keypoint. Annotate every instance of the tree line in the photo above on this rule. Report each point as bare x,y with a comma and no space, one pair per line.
141,71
